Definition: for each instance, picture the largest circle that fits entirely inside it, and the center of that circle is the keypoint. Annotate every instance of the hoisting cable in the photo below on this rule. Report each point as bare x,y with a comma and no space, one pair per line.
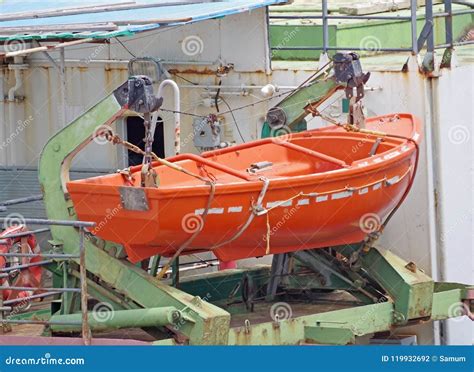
115,139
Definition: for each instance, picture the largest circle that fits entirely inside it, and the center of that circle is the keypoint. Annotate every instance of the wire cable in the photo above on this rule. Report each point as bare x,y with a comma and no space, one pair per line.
233,118
124,47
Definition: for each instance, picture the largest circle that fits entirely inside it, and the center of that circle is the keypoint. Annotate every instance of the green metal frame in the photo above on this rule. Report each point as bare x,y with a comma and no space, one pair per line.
410,295
205,323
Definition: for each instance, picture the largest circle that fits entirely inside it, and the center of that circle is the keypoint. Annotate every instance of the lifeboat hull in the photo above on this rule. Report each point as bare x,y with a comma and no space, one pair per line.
318,188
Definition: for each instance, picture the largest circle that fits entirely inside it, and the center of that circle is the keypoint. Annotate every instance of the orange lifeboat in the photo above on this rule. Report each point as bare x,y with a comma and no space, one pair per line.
313,189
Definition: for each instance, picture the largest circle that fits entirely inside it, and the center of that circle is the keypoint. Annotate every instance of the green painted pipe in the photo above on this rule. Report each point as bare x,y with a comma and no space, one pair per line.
114,319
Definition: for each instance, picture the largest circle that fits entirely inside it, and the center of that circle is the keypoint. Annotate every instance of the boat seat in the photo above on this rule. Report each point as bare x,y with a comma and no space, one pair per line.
313,153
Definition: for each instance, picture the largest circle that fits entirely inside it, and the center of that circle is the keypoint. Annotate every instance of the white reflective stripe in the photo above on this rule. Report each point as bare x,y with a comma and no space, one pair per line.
391,155
377,186
341,195
363,164
280,203
416,136
378,160
303,202
392,181
405,148
363,191
321,198
211,211
216,211
234,209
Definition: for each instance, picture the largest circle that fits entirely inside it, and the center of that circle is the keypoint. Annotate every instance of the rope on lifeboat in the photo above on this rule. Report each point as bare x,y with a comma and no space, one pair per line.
115,139
256,210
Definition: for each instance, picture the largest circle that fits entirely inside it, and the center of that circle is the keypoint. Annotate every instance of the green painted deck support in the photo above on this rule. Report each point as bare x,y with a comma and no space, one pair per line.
102,321
333,335
315,93
209,323
409,287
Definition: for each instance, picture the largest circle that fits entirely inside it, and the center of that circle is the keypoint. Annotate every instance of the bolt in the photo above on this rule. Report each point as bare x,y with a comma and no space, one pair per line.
175,316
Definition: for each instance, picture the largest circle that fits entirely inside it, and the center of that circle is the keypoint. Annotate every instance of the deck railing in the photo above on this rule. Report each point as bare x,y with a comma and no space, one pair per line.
417,42
7,306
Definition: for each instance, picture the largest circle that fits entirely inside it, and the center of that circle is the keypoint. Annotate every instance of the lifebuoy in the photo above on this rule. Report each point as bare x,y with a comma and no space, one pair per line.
28,277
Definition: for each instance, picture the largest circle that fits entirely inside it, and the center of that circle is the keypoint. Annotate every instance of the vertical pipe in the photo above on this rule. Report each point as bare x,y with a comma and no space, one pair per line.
65,309
177,117
414,40
12,152
86,332
155,263
3,132
431,150
3,325
448,8
62,76
268,49
325,26
429,18
175,273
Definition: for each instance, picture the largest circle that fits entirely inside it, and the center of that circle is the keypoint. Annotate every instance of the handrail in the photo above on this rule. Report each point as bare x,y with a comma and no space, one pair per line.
426,35
313,153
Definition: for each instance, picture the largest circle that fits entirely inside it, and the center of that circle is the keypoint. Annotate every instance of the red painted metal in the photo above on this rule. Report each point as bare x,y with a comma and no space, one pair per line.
28,277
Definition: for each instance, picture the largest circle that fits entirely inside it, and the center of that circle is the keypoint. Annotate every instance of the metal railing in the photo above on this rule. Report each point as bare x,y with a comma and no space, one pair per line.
417,42
8,306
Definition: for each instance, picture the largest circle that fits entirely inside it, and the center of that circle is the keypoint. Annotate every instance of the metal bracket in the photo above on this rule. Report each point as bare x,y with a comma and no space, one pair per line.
424,34
133,198
137,95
